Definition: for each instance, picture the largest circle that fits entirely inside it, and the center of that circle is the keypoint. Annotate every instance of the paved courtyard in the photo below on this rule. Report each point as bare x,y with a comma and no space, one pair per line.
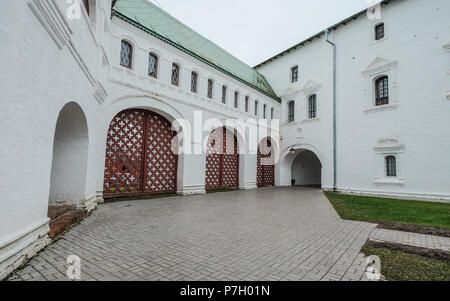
264,234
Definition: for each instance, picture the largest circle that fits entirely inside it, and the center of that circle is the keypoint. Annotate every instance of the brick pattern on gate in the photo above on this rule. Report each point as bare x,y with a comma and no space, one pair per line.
266,167
222,160
139,157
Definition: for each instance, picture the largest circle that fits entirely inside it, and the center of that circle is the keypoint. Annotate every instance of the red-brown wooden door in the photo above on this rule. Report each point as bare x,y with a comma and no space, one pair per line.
222,160
266,167
139,156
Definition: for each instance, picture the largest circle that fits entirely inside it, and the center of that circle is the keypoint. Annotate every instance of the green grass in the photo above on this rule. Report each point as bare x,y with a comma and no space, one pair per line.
372,209
402,266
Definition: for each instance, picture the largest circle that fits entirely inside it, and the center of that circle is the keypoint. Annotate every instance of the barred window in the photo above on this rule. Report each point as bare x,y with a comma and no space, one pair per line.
247,98
291,111
391,166
236,99
224,94
294,74
153,65
312,106
126,54
175,74
210,88
379,31
264,111
194,82
256,108
382,91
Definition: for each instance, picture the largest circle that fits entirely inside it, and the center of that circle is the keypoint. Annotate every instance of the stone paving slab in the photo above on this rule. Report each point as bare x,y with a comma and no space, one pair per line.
265,234
411,239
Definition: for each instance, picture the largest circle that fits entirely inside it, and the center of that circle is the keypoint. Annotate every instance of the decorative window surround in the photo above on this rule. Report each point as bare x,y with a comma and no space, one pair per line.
377,68
388,146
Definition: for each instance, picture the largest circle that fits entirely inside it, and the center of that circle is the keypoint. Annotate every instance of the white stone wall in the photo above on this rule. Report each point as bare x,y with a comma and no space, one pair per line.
415,57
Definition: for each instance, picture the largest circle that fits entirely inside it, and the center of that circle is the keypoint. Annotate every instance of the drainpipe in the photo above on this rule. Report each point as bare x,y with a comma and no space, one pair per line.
334,112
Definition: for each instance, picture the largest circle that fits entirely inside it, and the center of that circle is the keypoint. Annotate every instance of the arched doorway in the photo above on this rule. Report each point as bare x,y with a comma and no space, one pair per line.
266,164
70,155
139,155
222,160
306,169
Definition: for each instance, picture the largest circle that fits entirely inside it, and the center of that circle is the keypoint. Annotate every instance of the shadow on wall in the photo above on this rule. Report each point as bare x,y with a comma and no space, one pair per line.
306,170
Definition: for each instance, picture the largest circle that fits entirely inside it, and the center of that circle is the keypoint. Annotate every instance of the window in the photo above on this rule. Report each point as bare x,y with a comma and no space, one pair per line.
256,108
294,74
382,91
312,106
126,54
271,113
246,103
264,111
236,99
86,5
391,166
210,88
175,74
194,82
224,94
153,65
291,111
379,31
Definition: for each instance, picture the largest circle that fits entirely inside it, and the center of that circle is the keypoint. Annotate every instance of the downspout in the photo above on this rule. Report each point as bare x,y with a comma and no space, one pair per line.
334,112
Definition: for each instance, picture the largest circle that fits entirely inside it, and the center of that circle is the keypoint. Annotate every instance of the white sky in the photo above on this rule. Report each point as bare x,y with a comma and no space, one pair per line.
255,30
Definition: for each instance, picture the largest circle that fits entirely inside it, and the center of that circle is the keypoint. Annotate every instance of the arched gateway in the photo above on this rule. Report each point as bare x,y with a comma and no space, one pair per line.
139,155
222,160
266,164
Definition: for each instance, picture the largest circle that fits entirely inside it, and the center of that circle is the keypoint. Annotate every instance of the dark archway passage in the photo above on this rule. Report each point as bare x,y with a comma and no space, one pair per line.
139,155
306,169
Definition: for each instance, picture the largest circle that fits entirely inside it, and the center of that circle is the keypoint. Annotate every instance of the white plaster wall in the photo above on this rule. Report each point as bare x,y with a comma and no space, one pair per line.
416,33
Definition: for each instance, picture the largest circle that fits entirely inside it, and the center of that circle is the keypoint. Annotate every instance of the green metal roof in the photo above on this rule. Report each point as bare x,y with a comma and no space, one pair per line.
150,18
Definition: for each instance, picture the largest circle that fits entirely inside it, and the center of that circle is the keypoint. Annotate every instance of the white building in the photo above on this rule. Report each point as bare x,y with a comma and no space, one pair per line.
89,94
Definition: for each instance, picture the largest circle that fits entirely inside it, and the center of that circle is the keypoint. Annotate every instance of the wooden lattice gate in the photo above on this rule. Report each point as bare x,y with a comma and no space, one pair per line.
139,156
222,160
266,167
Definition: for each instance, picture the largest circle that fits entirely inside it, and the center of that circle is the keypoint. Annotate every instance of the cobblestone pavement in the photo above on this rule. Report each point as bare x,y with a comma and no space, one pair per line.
264,234
412,239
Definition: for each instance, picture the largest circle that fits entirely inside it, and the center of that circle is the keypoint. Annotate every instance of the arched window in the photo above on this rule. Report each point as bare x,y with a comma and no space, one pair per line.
379,31
391,166
291,111
382,91
247,98
194,82
175,74
153,65
224,94
126,54
236,99
210,88
312,106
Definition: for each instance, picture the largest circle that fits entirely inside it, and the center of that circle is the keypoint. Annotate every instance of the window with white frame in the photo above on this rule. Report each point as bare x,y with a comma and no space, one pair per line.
256,108
153,65
271,113
126,54
291,111
379,31
210,88
175,74
236,99
312,106
247,99
391,166
388,152
264,111
224,94
382,91
294,74
194,82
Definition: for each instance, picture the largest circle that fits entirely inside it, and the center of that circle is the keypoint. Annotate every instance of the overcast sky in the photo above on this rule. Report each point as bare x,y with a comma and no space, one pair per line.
255,30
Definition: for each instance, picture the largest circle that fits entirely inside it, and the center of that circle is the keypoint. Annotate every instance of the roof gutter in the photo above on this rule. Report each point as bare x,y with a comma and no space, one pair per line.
334,110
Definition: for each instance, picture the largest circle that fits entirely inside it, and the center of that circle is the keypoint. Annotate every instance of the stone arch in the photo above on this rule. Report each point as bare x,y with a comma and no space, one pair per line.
70,157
